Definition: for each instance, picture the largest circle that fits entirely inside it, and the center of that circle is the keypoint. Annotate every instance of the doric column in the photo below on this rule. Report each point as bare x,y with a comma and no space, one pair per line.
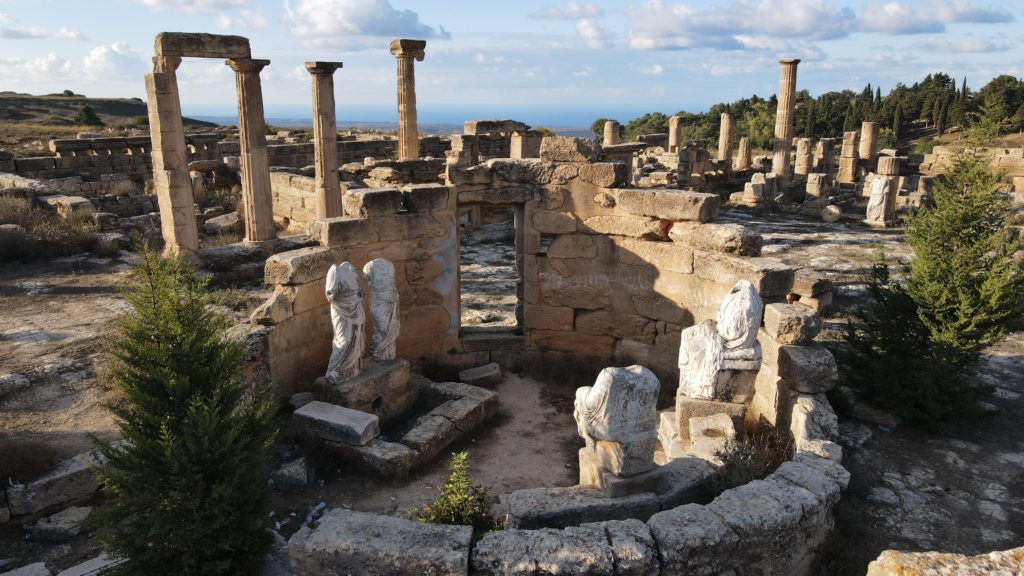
611,133
725,140
784,119
325,139
744,160
674,124
405,51
257,200
171,179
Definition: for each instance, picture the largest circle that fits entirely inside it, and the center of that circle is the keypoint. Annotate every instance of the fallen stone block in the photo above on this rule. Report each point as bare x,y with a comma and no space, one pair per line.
70,480
567,149
571,506
486,375
350,542
337,423
386,459
808,369
62,526
228,223
813,419
669,204
294,473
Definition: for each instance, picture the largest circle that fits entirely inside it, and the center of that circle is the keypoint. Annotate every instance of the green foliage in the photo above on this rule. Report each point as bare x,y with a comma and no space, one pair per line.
650,123
598,127
897,122
46,234
758,124
751,459
86,116
919,339
461,502
545,131
189,478
987,123
926,145
886,138
141,120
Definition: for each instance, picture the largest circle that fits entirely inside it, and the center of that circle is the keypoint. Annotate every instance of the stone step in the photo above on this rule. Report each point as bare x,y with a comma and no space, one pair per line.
337,423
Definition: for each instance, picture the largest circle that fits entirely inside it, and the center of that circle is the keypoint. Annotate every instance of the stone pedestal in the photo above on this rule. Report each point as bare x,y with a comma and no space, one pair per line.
611,133
382,388
525,144
325,139
256,195
171,179
784,119
816,191
743,160
405,51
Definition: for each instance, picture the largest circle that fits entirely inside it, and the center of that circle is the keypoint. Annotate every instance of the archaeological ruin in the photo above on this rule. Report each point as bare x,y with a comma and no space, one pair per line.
637,267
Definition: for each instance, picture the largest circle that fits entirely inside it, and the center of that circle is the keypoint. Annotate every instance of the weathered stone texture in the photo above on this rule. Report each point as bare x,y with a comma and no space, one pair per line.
678,205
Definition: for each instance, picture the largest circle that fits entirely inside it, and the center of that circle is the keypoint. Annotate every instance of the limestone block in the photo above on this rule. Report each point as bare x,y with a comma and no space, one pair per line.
566,149
560,507
372,201
520,171
188,44
549,317
585,345
688,408
893,562
573,246
486,375
337,423
661,255
106,222
350,542
550,222
503,195
791,323
430,434
299,266
888,165
614,324
70,480
62,526
474,175
771,277
605,174
617,547
668,204
630,226
425,197
710,435
37,569
808,369
813,419
294,473
692,539
727,238
381,388
385,459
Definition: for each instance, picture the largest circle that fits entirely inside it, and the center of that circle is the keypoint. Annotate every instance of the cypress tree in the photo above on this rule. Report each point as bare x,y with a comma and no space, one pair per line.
897,121
189,478
940,123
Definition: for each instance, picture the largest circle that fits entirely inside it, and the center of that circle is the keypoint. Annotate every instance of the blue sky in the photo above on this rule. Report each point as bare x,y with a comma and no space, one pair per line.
552,62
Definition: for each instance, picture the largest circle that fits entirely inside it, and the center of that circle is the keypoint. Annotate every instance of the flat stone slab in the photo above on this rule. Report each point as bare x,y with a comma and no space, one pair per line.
94,567
350,542
385,459
70,480
37,569
486,375
62,526
337,423
687,408
572,506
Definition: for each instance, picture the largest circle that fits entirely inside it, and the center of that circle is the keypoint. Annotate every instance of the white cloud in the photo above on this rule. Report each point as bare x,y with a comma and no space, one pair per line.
298,74
348,22
223,21
572,11
252,19
203,73
47,68
480,58
193,5
927,16
34,33
942,44
593,34
652,70
586,71
113,62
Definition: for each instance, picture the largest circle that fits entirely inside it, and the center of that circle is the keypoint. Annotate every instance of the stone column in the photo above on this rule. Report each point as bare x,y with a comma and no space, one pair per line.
611,133
674,124
725,140
252,134
784,119
868,145
804,156
408,139
744,160
171,179
325,139
848,158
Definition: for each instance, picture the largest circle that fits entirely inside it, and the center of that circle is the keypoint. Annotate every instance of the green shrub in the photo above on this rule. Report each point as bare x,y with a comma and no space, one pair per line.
461,502
920,339
926,145
86,116
751,459
190,477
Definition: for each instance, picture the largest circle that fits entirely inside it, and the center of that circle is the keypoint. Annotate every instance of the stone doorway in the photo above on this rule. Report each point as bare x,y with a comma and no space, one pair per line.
490,268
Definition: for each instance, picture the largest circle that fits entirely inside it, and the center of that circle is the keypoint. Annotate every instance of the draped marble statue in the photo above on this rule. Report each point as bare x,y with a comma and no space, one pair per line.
881,209
347,318
380,277
618,416
729,342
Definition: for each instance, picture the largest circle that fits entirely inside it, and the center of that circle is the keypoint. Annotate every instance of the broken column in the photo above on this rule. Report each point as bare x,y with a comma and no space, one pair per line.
170,159
408,139
848,159
816,191
804,156
881,210
325,139
743,160
868,144
674,124
784,119
611,133
252,134
725,142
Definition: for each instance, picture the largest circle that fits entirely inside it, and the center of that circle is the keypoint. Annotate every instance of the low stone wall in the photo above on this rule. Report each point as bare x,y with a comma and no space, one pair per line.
294,198
1010,161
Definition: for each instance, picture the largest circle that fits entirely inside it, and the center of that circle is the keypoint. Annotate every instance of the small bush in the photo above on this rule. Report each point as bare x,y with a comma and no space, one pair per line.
461,502
926,145
46,234
23,461
751,459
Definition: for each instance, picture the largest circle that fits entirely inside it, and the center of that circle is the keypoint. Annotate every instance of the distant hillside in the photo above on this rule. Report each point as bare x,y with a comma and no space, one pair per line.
60,110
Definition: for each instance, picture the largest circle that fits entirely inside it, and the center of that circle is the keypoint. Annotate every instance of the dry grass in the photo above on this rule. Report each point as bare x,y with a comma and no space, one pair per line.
751,459
46,234
25,460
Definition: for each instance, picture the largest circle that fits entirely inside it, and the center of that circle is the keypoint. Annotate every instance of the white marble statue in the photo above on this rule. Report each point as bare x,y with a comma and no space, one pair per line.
729,342
347,318
618,417
380,277
879,212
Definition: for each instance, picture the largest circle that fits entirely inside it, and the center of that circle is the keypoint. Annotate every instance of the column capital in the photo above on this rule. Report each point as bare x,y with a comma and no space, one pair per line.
320,68
792,62
166,63
403,48
246,64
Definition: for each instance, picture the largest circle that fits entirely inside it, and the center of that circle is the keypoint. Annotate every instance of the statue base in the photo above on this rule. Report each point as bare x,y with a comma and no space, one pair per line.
382,388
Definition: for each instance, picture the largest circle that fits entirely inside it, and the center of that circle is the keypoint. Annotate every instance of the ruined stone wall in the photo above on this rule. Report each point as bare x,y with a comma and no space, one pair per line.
1009,161
415,229
294,198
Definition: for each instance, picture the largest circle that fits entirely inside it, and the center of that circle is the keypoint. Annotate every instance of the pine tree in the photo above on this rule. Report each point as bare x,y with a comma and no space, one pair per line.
897,121
940,123
189,478
86,116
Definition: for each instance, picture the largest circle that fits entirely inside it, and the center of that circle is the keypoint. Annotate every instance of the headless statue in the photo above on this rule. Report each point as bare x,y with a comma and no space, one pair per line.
347,318
617,417
380,277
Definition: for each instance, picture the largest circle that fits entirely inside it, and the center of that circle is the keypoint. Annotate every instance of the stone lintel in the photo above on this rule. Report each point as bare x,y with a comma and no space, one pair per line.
322,67
478,127
246,64
404,48
198,45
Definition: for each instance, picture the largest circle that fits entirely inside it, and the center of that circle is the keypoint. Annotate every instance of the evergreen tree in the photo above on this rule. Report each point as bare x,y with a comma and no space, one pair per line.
878,99
189,478
897,121
940,123
86,116
809,119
